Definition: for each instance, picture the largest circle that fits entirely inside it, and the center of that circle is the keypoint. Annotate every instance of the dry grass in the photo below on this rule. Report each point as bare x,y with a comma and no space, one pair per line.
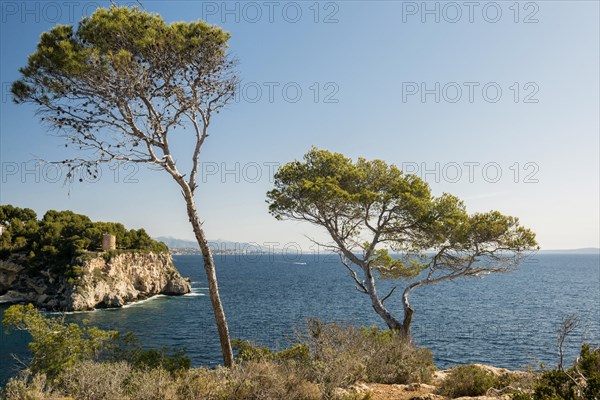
102,381
328,358
341,356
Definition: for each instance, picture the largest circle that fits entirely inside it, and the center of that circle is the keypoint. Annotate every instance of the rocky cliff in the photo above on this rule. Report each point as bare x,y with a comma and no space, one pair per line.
106,280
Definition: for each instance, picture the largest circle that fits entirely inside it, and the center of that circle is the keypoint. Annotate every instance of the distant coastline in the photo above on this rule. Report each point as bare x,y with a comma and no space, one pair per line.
188,251
179,247
585,250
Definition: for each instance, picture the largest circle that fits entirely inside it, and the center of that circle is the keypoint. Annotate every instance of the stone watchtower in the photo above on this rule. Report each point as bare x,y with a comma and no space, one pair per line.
109,242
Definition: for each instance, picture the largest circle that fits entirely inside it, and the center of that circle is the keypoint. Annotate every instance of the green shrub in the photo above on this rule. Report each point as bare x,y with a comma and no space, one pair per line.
246,351
99,275
467,380
588,366
56,346
580,382
171,360
555,384
592,389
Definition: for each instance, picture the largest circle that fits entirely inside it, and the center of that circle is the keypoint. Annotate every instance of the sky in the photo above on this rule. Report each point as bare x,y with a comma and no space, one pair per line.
494,102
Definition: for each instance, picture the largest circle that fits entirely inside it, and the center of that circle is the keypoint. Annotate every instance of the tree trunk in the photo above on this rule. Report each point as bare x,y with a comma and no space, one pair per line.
378,306
408,310
408,313
209,268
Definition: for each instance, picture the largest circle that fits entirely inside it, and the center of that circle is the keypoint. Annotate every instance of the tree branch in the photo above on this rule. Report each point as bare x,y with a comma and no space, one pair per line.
388,295
354,276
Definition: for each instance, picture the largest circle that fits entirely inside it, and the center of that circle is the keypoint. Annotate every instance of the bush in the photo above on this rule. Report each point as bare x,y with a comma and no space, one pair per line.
580,382
588,364
334,356
271,381
250,352
26,387
90,380
56,346
344,355
201,383
467,380
150,384
171,360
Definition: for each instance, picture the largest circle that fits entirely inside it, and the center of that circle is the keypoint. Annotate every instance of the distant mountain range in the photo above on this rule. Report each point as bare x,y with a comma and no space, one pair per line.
585,250
175,243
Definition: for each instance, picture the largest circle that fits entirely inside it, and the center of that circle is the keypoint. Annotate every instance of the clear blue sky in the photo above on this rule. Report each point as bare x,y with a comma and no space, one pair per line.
370,61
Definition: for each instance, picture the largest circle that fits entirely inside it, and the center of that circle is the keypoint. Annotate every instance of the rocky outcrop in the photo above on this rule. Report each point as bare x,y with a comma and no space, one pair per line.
106,280
9,272
421,391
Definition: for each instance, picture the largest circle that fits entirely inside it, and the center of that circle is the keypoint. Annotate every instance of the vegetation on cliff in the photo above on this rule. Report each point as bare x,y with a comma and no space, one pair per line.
61,237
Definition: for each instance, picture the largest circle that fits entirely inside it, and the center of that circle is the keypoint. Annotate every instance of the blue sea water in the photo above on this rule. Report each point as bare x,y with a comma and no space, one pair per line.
507,320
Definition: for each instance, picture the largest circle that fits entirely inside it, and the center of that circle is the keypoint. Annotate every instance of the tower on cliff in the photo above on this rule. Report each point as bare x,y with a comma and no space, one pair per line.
109,242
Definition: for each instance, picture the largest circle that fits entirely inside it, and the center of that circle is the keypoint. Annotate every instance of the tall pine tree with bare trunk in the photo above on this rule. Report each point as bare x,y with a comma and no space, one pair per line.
121,86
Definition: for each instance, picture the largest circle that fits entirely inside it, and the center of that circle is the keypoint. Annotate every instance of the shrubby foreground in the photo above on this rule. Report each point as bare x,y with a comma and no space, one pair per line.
328,361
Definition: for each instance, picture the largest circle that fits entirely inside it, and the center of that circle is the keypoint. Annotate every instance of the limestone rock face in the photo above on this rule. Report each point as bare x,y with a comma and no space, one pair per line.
9,272
107,281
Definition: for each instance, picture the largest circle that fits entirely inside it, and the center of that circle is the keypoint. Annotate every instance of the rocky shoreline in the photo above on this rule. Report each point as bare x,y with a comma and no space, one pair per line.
107,280
422,391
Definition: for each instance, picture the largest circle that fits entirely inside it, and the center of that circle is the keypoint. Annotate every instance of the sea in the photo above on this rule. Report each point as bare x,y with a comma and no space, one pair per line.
506,320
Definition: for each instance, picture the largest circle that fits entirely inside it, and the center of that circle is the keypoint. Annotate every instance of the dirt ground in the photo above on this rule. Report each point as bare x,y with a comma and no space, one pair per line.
403,392
418,391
